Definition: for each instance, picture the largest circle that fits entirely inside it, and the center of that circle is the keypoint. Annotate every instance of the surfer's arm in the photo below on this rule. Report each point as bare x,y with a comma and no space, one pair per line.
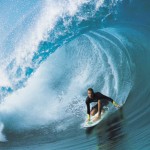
113,102
88,109
99,107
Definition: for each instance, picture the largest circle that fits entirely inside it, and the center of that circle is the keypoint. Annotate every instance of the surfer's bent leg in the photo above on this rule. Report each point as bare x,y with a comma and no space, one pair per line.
94,110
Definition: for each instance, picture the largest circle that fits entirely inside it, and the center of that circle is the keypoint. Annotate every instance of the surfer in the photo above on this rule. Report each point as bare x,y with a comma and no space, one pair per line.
101,101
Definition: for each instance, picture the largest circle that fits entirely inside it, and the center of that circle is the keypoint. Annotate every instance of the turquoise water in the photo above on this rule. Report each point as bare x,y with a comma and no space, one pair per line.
52,51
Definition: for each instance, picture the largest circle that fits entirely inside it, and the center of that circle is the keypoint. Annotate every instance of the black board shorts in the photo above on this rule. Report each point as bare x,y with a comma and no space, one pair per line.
96,106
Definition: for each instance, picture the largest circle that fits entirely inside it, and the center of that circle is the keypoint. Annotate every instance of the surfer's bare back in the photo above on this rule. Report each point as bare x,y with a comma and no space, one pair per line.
101,100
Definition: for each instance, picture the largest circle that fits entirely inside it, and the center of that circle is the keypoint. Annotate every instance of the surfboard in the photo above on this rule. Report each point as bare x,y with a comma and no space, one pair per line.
93,123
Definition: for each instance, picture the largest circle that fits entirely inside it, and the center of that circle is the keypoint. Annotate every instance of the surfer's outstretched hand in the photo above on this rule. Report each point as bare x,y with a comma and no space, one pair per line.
117,106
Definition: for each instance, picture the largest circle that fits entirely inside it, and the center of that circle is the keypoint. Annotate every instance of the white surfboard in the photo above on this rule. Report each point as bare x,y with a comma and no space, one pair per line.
92,123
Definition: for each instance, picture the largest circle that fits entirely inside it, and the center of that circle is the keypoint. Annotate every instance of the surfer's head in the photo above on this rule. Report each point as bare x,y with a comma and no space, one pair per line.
90,92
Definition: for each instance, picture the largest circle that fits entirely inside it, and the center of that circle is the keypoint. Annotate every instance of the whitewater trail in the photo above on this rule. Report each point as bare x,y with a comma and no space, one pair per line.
2,136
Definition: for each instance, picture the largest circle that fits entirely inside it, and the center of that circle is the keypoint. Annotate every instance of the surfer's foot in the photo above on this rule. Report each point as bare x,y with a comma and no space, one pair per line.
87,120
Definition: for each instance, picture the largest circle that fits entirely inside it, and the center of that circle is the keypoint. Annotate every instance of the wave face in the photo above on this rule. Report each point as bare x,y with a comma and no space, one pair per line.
51,52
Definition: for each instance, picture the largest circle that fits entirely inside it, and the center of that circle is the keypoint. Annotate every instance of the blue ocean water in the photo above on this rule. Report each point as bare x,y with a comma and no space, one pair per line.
52,51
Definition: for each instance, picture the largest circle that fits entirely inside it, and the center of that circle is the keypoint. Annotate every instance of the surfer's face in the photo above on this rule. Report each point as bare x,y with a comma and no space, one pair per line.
90,94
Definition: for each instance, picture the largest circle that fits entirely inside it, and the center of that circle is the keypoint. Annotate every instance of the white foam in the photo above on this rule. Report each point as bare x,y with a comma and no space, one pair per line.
51,11
39,100
42,24
2,136
4,82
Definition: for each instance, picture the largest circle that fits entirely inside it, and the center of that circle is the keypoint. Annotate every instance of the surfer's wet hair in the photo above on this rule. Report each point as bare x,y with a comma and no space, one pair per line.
90,89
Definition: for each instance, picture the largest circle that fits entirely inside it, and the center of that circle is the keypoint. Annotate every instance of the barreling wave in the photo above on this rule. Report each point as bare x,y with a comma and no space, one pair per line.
62,49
